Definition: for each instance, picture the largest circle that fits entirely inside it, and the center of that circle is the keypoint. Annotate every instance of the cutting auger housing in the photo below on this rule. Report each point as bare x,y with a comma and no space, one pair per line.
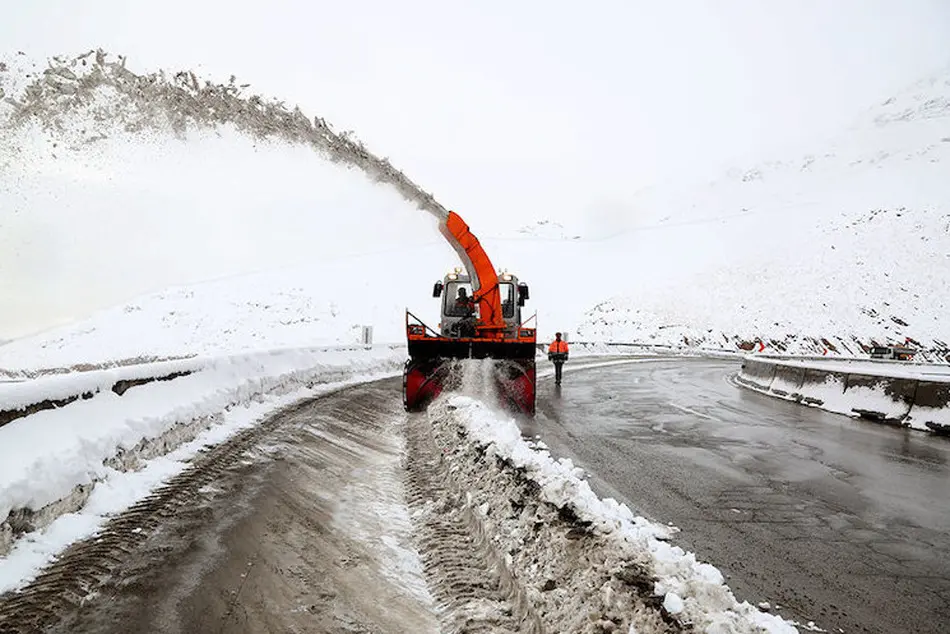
480,319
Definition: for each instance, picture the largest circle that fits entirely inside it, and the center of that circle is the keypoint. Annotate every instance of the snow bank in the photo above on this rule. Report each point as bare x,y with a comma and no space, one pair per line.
693,592
18,396
913,395
82,514
62,454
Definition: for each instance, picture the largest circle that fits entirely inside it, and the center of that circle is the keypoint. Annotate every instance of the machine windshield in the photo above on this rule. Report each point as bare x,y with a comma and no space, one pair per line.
458,299
508,299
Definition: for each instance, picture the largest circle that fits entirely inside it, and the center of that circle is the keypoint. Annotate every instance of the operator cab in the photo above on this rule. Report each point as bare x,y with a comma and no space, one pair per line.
460,312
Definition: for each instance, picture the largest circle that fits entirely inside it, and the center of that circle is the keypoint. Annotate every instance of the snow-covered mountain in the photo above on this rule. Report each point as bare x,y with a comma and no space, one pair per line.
129,181
849,244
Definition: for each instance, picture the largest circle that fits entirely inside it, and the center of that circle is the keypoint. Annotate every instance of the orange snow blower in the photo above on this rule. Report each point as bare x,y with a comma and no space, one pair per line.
481,319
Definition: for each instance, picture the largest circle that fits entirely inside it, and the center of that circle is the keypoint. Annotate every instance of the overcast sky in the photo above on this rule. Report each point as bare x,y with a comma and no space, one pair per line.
551,102
555,107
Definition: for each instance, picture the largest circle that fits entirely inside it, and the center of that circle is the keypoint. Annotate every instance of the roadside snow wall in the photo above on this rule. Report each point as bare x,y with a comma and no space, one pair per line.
586,564
907,394
24,397
109,421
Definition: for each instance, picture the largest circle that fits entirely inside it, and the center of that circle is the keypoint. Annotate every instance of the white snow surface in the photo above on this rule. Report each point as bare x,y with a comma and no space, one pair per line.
840,242
48,454
61,448
692,589
241,243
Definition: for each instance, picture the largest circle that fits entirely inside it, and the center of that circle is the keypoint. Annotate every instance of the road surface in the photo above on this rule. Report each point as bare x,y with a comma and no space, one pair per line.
276,530
839,521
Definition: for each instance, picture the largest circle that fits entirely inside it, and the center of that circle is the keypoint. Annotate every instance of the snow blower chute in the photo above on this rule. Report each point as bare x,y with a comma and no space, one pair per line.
481,319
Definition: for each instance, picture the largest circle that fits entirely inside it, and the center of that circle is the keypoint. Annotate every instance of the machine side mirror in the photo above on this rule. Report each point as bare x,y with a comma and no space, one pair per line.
523,293
437,289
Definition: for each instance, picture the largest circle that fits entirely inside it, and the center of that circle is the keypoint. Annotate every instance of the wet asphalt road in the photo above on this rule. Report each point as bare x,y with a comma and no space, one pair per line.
286,538
843,522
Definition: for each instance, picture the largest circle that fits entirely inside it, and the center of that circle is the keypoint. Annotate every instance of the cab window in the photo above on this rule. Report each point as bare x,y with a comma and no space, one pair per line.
454,305
508,299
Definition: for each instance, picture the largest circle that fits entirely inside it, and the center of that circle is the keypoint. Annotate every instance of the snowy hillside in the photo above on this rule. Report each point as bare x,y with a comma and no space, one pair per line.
116,183
852,242
547,230
292,308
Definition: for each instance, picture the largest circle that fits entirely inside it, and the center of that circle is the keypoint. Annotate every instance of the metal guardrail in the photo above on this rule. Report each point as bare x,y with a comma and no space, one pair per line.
841,359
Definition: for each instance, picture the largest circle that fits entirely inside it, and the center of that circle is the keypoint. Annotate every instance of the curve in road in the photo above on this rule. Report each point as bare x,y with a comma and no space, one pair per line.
829,519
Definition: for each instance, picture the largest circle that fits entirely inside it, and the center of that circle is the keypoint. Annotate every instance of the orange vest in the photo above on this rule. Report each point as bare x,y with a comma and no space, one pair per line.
558,347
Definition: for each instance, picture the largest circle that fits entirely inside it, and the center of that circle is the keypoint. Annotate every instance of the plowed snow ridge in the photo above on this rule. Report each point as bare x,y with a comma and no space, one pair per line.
584,561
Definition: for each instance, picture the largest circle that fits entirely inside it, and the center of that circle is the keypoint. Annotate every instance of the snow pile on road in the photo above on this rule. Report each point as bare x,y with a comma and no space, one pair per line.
625,562
54,460
819,252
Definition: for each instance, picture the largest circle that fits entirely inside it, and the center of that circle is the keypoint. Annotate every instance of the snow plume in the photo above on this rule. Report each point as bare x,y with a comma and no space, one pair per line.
116,185
86,98
477,379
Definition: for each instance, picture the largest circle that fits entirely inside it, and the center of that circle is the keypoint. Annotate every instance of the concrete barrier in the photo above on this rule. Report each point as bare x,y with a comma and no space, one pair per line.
788,381
758,374
55,388
930,407
913,395
868,390
819,380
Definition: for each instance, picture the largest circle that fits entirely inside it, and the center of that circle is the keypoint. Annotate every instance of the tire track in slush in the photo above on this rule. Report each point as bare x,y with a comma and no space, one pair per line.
475,590
74,578
73,581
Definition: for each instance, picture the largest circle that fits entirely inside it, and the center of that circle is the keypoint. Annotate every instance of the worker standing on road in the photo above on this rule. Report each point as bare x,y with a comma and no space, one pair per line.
557,352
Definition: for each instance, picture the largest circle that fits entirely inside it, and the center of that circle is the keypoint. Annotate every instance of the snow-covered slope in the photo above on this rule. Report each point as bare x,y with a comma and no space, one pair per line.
295,307
850,242
547,230
115,184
